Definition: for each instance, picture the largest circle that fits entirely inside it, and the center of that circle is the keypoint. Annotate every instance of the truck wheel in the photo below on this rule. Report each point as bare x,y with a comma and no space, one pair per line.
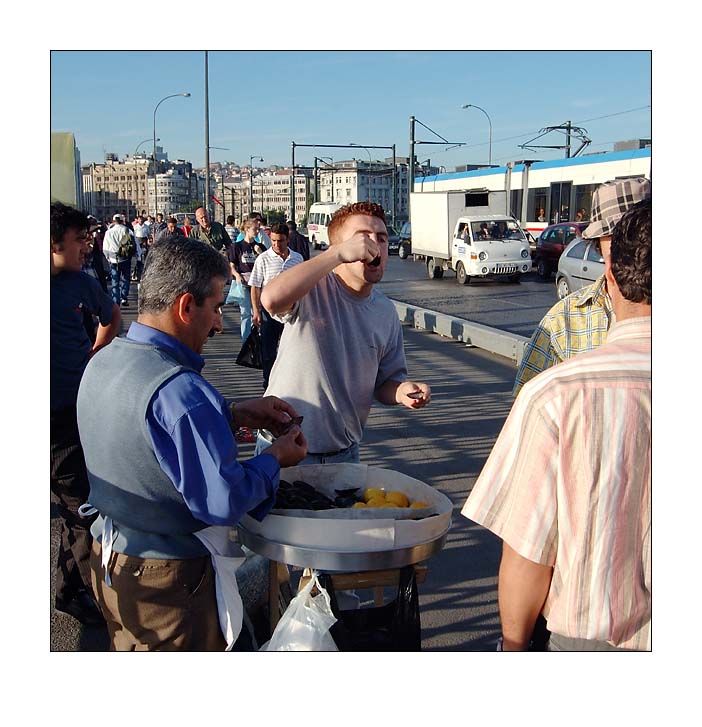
403,251
543,270
434,271
461,276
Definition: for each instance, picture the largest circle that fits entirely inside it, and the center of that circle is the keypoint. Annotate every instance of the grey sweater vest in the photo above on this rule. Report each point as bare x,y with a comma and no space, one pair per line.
126,481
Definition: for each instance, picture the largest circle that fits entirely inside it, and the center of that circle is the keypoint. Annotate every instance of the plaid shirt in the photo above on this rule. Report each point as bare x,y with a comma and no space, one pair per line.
575,324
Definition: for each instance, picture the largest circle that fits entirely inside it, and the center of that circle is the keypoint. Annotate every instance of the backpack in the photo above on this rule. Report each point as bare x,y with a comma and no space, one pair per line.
127,246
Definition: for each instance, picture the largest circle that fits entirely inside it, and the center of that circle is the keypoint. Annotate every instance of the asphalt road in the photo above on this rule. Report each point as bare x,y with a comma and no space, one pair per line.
445,445
513,307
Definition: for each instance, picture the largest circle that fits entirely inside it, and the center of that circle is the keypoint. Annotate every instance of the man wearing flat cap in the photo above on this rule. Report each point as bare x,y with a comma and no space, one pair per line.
580,321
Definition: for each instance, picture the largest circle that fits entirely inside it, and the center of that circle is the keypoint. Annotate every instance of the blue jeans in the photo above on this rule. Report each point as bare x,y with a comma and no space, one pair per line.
120,274
245,311
351,455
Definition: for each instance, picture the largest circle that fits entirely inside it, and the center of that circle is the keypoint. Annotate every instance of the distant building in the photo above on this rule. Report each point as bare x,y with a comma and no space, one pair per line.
127,186
632,144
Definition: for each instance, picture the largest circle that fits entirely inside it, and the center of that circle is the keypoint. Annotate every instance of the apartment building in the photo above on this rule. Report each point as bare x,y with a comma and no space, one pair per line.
354,180
127,186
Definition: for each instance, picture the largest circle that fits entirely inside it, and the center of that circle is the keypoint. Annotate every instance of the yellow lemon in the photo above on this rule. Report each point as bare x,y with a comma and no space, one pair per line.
399,499
387,503
376,502
418,504
373,493
359,504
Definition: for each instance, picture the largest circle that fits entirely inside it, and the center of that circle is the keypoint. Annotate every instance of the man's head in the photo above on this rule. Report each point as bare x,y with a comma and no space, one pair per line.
292,226
159,217
139,220
609,203
201,217
181,290
117,219
279,238
70,241
172,224
630,254
611,200
364,219
230,220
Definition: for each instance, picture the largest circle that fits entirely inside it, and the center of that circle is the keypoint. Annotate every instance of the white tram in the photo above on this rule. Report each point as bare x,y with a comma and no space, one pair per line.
557,191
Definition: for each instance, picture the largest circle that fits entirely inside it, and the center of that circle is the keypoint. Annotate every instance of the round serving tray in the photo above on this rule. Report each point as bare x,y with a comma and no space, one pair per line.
343,562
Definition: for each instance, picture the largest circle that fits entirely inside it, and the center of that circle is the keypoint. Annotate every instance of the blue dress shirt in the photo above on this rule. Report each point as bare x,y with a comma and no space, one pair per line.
189,424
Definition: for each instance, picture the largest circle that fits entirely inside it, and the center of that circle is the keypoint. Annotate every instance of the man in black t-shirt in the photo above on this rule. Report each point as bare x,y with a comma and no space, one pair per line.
73,294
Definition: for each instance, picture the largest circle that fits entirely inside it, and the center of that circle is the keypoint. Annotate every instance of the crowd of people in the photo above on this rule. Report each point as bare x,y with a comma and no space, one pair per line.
145,535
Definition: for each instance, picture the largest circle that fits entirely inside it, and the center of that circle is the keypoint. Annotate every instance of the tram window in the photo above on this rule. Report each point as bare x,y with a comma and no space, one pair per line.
537,199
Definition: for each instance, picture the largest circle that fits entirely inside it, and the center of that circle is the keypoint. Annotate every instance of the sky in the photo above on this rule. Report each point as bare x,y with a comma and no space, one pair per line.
361,97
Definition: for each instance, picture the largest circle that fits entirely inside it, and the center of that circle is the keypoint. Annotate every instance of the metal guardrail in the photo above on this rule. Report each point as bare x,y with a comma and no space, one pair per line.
509,345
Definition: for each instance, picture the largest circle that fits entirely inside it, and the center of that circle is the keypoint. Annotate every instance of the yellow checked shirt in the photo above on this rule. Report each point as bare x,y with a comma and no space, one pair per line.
575,324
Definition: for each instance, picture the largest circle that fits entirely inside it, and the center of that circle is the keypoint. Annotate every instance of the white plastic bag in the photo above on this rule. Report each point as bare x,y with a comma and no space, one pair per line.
306,622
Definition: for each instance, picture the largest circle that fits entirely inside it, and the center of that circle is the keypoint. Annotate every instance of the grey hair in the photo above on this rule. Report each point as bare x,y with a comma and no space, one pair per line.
177,266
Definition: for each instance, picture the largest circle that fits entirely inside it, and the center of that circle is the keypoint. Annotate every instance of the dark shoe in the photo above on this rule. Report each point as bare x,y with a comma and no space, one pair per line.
125,304
84,608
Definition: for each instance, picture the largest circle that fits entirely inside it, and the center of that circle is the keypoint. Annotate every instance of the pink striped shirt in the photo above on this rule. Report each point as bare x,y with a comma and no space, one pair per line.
568,484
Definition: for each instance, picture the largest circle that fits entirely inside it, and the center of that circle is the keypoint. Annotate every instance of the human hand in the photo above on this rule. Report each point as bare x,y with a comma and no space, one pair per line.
290,448
270,413
359,247
256,318
413,394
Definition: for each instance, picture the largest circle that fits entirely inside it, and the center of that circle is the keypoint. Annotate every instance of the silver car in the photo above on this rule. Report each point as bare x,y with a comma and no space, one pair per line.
580,264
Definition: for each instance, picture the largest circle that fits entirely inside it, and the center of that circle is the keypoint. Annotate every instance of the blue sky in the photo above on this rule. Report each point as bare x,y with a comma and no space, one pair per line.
259,102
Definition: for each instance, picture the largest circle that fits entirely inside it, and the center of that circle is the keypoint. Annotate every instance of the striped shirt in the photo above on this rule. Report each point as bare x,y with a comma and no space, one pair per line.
270,265
575,324
568,484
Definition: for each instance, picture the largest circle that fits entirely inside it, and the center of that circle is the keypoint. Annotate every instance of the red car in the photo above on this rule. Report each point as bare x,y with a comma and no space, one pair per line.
551,243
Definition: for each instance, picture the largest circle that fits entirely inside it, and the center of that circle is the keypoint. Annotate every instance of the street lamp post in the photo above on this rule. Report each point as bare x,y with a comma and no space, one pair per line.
142,142
251,158
173,95
473,106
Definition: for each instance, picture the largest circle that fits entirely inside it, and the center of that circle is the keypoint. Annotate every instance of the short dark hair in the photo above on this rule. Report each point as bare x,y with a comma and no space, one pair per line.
179,265
630,253
280,228
357,208
173,220
230,219
63,218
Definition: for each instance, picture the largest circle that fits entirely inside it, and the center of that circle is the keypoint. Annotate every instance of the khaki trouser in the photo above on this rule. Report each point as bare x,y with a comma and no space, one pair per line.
158,605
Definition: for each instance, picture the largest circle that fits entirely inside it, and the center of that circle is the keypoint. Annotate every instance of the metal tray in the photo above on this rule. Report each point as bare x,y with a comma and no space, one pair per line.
342,562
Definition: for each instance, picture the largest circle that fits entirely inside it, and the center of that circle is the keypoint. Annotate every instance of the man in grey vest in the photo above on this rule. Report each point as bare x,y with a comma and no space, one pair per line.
162,458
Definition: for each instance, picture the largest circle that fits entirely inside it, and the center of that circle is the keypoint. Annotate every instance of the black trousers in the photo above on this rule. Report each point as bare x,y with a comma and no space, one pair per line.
271,331
69,490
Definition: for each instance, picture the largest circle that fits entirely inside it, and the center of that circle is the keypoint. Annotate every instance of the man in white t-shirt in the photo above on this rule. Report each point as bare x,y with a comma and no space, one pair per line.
141,235
267,267
342,345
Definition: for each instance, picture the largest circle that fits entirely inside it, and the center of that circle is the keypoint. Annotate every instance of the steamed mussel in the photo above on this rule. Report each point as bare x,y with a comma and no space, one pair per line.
300,495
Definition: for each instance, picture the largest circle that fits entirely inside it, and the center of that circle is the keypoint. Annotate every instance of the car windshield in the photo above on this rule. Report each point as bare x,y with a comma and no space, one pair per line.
497,230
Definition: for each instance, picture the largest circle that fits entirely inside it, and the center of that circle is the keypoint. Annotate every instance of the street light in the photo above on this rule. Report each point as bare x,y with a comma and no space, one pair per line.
173,95
142,142
473,106
251,158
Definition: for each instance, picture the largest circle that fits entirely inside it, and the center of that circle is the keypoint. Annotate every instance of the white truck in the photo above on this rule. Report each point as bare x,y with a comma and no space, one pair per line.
468,232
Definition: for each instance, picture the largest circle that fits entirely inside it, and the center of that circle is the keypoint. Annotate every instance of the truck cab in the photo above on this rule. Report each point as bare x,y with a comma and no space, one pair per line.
489,245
